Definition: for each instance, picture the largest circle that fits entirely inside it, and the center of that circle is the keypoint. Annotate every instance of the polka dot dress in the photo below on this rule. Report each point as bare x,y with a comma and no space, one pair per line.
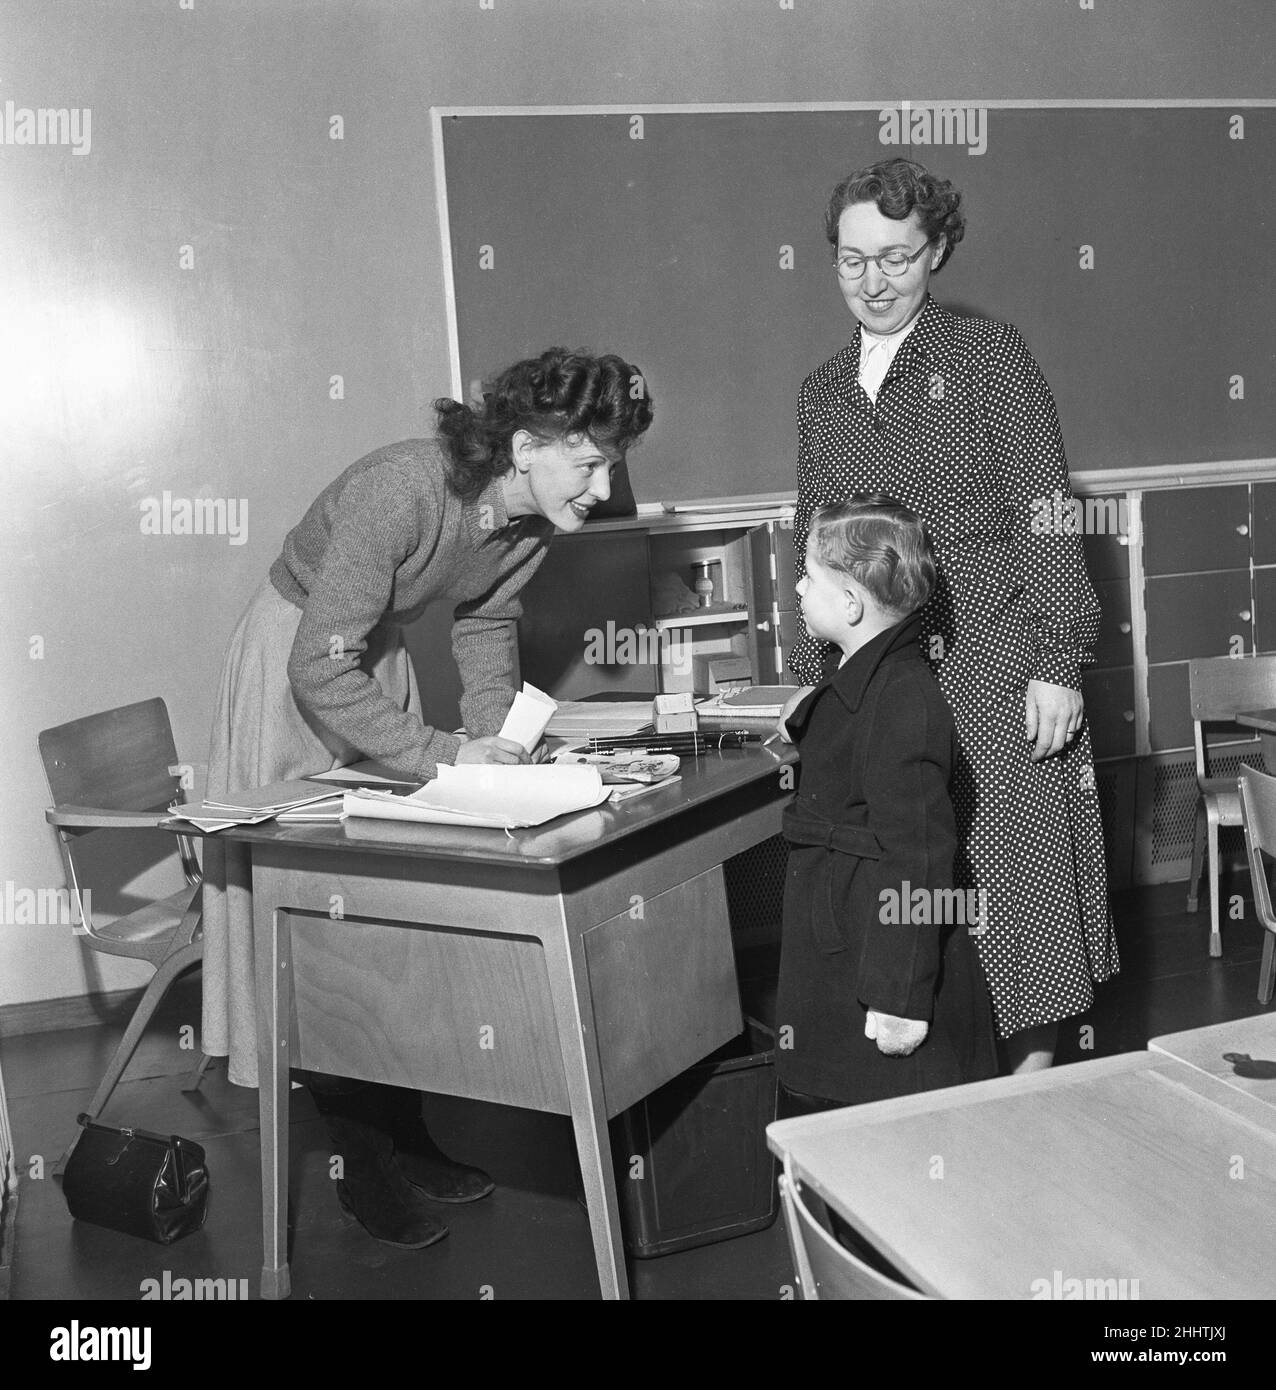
965,432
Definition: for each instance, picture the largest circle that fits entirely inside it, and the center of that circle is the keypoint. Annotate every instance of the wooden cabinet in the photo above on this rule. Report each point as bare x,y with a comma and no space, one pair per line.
1265,610
615,608
1194,530
1208,614
1115,646
1263,524
1109,705
586,625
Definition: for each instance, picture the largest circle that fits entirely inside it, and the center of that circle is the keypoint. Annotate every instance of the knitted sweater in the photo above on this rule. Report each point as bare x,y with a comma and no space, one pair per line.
377,545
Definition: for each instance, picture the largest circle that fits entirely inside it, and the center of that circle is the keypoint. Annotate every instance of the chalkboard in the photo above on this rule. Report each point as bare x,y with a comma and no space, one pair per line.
671,249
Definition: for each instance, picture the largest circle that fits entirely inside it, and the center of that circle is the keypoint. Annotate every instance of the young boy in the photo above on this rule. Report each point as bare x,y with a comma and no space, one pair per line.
880,983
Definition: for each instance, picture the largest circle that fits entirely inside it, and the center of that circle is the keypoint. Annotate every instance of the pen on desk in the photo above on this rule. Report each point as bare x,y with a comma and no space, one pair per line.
685,744
771,740
726,738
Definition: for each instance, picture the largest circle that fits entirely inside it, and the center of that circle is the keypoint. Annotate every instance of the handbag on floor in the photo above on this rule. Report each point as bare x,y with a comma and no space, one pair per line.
131,1180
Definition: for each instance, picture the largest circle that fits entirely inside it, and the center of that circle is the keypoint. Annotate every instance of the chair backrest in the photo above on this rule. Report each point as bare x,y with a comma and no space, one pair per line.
118,760
825,1268
1220,687
1258,812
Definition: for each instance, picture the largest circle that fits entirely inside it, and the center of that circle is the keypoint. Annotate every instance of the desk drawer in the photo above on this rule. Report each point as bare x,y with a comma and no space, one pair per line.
456,1012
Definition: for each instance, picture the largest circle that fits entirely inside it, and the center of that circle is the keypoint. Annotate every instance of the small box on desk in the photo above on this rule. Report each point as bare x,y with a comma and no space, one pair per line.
675,713
692,1164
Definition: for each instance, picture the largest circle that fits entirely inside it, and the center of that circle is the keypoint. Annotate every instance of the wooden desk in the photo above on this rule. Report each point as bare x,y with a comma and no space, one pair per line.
1204,1049
1123,1168
571,968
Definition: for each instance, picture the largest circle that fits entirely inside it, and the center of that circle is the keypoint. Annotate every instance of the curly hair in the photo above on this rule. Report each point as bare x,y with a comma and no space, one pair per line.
898,187
558,395
882,545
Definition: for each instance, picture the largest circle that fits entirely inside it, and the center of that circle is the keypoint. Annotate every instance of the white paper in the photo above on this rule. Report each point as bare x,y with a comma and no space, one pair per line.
488,794
529,714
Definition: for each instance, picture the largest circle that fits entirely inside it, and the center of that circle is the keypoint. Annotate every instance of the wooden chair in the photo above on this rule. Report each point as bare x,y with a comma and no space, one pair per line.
1220,687
825,1268
114,771
1258,810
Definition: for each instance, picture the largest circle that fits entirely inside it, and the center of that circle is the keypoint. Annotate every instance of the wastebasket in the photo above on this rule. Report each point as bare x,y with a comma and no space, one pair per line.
692,1163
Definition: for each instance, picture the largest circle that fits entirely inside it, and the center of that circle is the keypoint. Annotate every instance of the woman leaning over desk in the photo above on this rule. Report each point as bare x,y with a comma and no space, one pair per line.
952,417
317,676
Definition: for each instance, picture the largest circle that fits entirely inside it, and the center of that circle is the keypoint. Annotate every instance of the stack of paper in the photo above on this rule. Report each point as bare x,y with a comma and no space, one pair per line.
483,794
599,718
250,807
755,704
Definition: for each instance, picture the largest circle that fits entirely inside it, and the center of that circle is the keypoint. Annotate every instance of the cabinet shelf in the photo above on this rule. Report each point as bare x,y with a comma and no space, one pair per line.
703,617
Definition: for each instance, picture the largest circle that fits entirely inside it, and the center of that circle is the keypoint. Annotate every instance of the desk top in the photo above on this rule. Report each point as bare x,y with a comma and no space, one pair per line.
1264,719
748,777
1124,1168
1209,1049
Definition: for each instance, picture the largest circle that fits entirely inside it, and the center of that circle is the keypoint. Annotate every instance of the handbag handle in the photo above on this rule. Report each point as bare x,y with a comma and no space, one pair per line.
171,1142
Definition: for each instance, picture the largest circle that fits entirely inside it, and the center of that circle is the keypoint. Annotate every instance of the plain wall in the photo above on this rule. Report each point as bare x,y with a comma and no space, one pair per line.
123,375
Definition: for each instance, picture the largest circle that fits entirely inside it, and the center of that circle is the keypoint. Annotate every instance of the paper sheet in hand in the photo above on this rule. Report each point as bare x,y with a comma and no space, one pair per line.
482,794
529,714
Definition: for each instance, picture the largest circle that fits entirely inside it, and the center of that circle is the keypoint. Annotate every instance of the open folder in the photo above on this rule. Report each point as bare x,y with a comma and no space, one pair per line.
482,794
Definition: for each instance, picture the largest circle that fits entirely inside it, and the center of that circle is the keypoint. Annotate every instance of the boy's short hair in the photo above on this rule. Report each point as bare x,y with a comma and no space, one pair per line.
882,545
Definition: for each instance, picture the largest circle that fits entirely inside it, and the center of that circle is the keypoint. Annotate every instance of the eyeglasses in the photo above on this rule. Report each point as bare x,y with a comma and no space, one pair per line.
889,262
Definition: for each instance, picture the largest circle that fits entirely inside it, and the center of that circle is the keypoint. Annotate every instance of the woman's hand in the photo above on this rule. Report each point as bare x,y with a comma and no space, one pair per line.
793,702
895,1037
491,750
1052,716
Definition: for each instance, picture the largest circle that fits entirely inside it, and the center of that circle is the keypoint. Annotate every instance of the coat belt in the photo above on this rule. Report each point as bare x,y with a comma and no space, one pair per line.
803,828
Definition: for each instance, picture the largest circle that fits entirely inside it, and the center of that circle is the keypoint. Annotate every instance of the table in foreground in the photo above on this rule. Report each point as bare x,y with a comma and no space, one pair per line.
571,968
1240,1054
1125,1177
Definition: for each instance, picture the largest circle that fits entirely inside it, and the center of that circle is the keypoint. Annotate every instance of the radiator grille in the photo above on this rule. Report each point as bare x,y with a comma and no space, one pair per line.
755,886
1174,805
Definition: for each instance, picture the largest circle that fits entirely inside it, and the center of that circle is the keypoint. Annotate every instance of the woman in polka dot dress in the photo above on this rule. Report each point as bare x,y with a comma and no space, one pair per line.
952,417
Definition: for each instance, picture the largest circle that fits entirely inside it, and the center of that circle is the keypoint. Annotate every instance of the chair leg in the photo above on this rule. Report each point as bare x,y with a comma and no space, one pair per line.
1267,970
192,1082
1198,859
168,971
1216,936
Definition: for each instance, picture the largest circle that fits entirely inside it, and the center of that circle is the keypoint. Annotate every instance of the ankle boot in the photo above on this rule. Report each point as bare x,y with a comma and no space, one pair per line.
420,1159
372,1189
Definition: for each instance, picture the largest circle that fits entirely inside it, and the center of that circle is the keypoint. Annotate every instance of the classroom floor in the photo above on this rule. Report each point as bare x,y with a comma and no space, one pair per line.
530,1239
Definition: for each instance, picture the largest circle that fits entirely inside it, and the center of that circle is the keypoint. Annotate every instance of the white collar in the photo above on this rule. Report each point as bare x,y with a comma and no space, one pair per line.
889,341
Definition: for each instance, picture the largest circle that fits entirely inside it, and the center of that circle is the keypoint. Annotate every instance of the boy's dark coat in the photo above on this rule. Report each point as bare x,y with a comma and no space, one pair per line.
873,817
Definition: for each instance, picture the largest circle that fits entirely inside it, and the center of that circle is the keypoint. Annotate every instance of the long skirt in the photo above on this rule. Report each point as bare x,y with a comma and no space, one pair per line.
259,736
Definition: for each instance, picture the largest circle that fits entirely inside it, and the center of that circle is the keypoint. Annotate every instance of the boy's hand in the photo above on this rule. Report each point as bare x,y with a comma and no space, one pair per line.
792,703
895,1037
